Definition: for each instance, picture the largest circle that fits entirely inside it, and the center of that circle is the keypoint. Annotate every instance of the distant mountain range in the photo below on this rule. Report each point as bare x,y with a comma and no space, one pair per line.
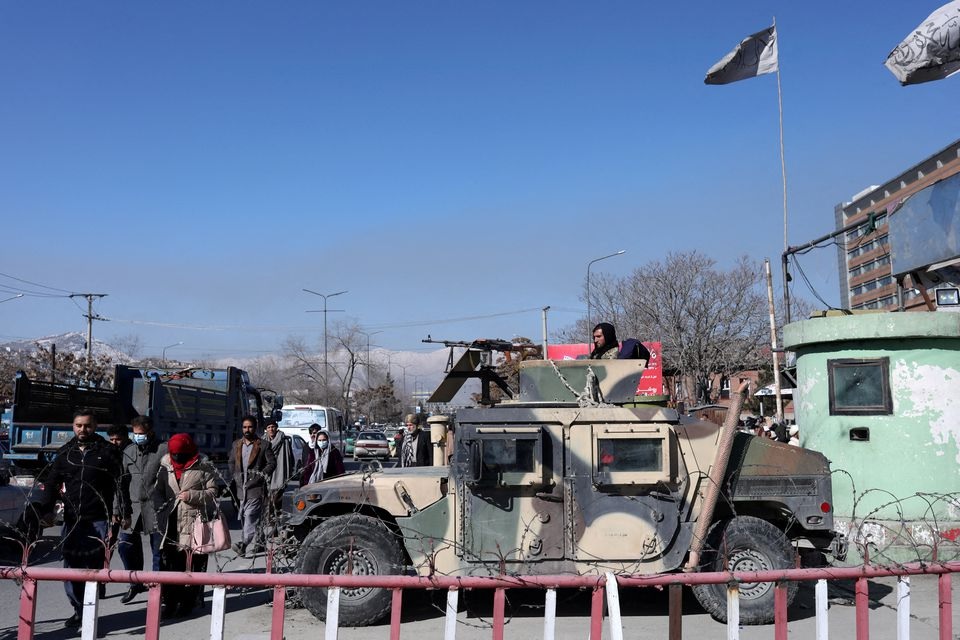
424,370
73,342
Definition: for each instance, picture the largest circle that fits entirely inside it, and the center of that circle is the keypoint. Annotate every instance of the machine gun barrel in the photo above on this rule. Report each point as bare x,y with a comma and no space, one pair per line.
486,344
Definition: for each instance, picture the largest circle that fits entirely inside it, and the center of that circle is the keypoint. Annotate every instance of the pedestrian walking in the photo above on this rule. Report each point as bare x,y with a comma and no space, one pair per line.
320,459
85,475
282,446
141,464
252,464
186,491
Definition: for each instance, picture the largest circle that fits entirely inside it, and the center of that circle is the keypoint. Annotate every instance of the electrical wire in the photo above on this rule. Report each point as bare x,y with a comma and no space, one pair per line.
425,323
35,284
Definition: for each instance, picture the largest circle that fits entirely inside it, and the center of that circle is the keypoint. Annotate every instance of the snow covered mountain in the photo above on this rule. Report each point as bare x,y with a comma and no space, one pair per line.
72,342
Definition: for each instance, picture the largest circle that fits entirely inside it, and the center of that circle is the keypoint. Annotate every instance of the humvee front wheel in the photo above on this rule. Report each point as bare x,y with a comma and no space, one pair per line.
745,543
352,544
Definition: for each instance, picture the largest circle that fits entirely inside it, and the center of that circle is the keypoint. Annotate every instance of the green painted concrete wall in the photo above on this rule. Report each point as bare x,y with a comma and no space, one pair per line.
916,449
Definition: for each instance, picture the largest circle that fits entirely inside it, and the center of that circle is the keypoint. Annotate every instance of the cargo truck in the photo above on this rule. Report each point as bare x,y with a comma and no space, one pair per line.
206,403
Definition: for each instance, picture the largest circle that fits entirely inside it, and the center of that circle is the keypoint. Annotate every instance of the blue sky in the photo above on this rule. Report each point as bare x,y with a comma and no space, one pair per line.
203,162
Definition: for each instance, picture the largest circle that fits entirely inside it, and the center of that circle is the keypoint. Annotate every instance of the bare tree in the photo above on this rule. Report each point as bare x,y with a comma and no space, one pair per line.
11,361
306,377
379,403
130,344
345,359
711,322
69,368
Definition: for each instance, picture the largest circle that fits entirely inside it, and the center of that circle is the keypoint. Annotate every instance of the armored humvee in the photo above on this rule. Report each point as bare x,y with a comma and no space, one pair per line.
572,475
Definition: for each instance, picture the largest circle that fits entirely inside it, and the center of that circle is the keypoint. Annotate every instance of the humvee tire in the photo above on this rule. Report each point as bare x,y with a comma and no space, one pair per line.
745,543
350,544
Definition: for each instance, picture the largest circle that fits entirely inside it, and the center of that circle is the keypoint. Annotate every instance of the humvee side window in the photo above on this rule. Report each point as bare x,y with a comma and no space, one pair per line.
510,456
860,387
630,455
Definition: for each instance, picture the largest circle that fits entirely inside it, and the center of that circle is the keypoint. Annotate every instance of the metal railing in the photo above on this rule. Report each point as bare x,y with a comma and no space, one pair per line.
605,589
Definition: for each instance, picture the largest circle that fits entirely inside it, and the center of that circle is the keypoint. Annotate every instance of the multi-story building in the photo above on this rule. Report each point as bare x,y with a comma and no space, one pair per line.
866,276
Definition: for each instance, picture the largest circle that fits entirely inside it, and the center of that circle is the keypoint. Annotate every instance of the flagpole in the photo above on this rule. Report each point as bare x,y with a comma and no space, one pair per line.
786,293
783,173
783,163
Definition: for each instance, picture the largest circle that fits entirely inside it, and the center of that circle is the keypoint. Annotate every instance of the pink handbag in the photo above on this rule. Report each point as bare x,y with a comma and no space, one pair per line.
210,536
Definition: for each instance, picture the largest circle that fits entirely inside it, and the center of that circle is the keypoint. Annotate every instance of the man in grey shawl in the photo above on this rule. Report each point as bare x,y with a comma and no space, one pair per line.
282,446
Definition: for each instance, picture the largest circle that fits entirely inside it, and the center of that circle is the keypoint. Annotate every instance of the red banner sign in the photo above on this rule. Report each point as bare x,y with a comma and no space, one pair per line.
651,382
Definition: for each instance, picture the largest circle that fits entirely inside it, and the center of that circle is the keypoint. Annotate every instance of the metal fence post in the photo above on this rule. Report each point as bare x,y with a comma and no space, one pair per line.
903,608
28,609
822,604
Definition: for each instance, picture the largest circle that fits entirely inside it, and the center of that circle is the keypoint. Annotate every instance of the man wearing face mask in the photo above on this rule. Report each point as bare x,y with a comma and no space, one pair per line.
252,463
141,462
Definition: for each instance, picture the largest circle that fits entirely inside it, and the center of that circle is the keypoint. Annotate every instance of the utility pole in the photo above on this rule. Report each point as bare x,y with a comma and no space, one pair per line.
372,333
544,310
90,318
326,364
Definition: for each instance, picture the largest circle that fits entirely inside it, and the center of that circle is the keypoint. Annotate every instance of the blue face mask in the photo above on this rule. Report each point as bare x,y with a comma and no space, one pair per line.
140,438
323,444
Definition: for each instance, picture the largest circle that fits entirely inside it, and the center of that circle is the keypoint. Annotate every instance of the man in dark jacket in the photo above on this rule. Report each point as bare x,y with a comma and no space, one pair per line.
415,449
252,463
88,469
141,462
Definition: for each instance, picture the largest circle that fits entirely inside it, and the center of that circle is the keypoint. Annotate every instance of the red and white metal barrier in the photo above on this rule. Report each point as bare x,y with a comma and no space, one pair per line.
605,588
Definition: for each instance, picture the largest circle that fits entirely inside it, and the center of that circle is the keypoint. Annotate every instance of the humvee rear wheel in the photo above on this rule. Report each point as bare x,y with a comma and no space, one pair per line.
350,545
745,543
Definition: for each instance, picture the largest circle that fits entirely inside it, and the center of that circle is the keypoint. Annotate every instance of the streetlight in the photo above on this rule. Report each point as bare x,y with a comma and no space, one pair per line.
589,264
19,295
404,367
326,370
372,333
164,352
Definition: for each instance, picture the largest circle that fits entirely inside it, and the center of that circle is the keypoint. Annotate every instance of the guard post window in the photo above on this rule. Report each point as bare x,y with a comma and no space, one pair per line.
860,386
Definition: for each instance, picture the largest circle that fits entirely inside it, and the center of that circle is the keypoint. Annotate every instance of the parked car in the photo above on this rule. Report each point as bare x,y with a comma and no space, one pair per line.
371,444
349,438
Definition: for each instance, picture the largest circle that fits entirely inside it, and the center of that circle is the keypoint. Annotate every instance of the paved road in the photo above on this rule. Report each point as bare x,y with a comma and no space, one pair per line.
644,613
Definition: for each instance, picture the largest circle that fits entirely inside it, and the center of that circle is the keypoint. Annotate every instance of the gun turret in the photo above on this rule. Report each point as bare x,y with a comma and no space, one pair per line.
476,363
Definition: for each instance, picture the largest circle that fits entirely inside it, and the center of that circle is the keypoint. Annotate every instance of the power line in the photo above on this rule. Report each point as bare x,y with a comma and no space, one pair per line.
425,323
35,284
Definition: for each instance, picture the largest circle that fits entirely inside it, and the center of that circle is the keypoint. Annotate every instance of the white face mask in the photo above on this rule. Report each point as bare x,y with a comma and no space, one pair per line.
323,444
139,438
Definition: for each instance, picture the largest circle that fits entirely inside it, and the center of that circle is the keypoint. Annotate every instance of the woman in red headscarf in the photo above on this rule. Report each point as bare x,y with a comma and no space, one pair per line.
186,490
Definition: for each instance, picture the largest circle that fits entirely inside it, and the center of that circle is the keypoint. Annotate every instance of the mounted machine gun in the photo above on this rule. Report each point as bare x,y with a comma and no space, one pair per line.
477,362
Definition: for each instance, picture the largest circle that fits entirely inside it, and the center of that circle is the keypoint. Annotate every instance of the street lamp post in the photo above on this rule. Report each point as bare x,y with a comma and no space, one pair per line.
326,369
372,333
589,264
163,357
19,295
404,367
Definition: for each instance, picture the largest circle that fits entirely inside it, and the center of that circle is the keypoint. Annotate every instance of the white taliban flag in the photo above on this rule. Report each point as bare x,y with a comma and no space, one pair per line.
754,56
932,51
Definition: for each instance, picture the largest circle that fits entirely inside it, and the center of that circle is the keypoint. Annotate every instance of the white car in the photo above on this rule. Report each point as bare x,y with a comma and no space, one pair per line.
371,444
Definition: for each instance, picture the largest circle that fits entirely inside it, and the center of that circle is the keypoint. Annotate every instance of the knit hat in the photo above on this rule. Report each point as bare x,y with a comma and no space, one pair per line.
182,443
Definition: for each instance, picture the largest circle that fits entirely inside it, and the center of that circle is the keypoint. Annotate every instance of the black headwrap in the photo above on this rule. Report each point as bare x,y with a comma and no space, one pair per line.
609,340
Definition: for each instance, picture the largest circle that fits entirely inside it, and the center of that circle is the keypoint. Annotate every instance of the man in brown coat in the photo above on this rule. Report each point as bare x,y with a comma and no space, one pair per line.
252,463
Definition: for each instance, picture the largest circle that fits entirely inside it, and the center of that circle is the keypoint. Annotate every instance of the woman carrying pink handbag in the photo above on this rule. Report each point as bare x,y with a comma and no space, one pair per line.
187,493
